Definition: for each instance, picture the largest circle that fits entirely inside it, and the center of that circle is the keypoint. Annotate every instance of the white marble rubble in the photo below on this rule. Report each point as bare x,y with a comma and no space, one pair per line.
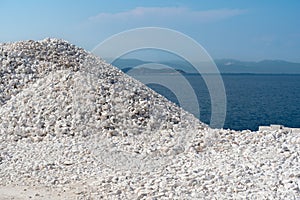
69,122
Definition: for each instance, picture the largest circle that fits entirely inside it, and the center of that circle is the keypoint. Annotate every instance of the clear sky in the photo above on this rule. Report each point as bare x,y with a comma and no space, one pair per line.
246,30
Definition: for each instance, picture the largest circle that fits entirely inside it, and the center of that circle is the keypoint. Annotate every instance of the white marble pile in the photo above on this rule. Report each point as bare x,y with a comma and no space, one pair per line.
72,123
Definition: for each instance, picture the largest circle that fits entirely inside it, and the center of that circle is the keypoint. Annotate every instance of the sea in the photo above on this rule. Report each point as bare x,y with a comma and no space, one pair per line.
252,100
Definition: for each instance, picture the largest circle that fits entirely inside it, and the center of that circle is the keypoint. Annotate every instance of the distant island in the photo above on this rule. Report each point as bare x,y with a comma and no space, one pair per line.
146,70
225,66
261,67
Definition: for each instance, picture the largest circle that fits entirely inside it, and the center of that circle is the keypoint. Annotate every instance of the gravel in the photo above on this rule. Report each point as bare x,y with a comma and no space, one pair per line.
73,124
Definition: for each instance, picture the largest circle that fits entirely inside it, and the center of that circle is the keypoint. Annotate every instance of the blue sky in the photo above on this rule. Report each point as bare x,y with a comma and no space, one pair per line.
245,30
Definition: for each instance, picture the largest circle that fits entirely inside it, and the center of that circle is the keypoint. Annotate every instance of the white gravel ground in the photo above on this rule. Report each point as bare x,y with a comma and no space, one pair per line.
72,126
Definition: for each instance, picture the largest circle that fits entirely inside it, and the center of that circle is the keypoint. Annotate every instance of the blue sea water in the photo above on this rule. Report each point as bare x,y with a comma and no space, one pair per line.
252,99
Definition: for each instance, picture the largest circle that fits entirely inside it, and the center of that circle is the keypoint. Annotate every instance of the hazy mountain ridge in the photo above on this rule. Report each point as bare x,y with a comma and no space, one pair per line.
224,66
260,67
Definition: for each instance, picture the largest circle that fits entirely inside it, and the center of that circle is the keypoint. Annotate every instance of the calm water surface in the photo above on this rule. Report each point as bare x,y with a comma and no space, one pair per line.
252,100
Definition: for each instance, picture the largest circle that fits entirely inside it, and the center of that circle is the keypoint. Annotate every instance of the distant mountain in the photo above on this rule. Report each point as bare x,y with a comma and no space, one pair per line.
261,67
224,66
128,63
146,70
179,65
